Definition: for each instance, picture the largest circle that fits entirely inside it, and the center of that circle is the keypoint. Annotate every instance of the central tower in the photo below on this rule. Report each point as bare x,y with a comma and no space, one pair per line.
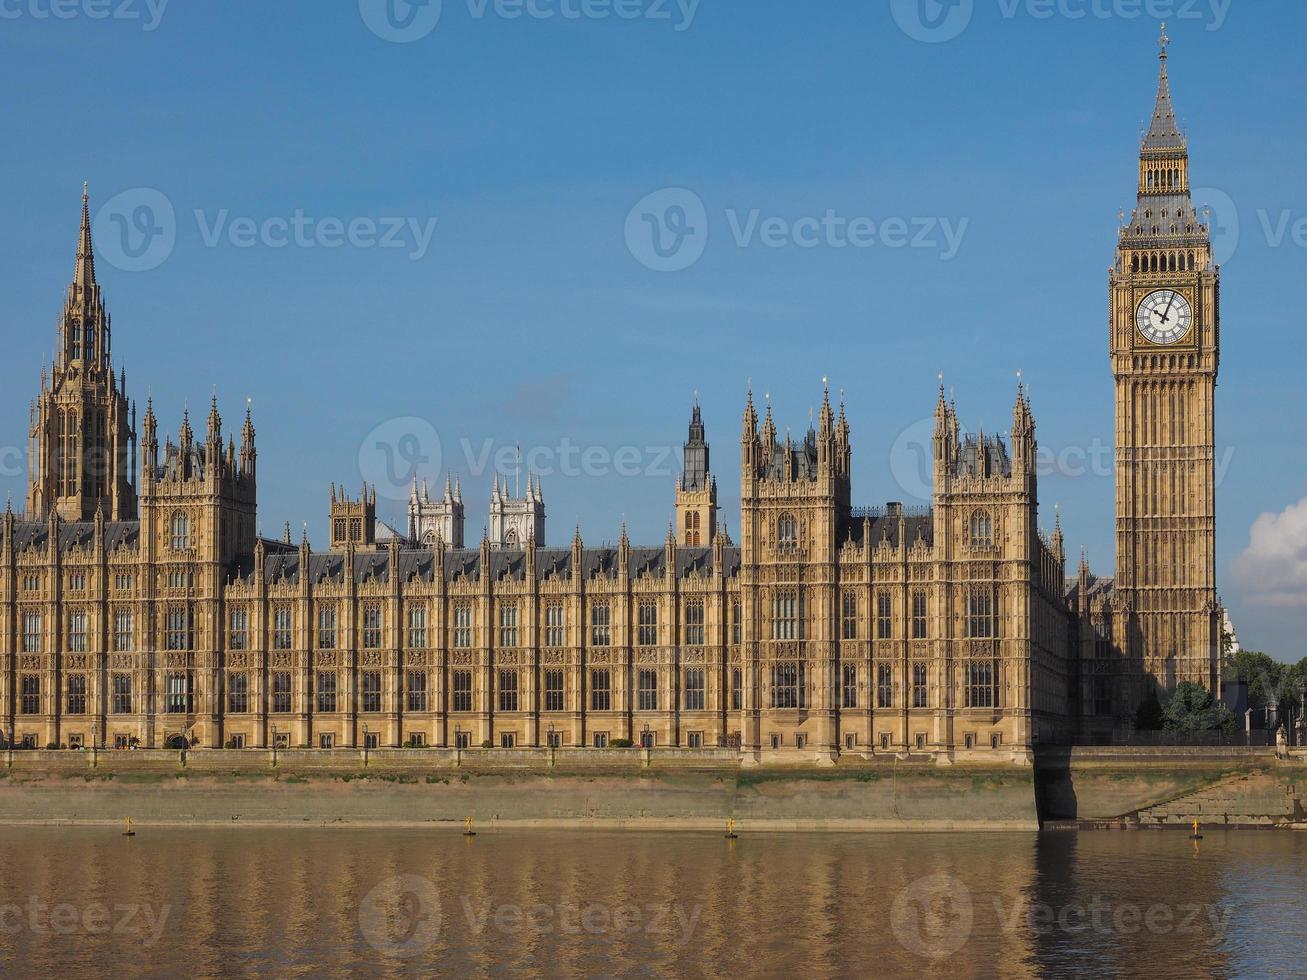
1165,350
83,438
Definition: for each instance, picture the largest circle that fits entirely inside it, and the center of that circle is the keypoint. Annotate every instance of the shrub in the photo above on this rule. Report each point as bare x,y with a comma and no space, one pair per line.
621,743
1193,710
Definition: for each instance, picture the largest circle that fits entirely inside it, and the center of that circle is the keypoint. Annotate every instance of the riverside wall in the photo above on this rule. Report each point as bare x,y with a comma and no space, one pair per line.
671,789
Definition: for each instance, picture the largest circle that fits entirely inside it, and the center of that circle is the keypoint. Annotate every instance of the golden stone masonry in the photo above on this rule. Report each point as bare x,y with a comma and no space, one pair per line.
139,606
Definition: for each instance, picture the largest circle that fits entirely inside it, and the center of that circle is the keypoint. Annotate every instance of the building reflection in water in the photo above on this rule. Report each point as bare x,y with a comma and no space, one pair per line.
297,902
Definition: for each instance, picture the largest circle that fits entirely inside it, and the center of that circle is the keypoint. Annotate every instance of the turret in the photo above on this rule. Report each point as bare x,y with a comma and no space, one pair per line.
248,453
1023,432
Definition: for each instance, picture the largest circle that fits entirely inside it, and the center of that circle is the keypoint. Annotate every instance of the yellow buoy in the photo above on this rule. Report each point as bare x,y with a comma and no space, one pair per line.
469,832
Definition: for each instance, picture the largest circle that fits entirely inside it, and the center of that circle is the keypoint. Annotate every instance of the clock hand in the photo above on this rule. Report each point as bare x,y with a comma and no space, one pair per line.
1167,314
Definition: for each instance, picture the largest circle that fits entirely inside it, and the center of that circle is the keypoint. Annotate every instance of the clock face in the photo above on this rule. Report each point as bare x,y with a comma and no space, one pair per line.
1165,317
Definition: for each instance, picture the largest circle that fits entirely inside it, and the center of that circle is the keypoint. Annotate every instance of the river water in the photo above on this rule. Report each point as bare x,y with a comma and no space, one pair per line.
345,902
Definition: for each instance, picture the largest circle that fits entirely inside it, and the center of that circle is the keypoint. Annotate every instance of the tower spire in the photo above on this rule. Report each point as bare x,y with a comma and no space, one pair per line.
1163,132
84,272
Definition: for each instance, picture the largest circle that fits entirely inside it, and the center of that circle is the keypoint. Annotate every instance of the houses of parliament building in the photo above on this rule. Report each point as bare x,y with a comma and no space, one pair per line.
139,605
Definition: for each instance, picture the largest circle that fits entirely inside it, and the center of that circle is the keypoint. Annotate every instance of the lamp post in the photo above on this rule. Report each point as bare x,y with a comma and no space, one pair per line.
365,745
458,744
644,738
274,746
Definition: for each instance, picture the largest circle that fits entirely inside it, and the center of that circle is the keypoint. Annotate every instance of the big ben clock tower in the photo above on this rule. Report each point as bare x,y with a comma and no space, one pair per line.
1165,346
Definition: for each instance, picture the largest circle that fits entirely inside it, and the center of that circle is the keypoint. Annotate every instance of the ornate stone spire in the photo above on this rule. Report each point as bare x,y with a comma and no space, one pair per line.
84,272
1163,132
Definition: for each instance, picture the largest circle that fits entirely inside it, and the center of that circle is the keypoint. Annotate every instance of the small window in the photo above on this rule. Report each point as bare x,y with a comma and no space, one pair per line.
648,690
31,696
849,685
415,687
884,741
281,692
694,631
849,626
850,741
920,739
600,740
508,690
884,616
694,689
508,627
647,635
461,686
417,628
326,629
775,742
553,690
601,690
555,625
601,631
371,681
694,740
372,622
181,532
327,692
787,532
238,693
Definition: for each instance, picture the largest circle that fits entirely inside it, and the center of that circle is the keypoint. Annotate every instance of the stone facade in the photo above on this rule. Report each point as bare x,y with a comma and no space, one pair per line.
148,611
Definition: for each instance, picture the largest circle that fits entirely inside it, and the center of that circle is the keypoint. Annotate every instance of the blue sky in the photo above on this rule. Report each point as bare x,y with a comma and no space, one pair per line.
991,166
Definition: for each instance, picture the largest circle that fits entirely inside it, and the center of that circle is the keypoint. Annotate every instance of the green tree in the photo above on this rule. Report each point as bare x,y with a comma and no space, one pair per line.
1194,710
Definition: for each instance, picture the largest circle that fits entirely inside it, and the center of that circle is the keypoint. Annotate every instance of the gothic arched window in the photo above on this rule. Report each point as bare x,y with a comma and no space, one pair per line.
181,532
982,530
787,531
510,539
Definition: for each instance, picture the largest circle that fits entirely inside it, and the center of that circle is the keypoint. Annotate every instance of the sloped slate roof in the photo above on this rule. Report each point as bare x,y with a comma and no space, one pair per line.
76,534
